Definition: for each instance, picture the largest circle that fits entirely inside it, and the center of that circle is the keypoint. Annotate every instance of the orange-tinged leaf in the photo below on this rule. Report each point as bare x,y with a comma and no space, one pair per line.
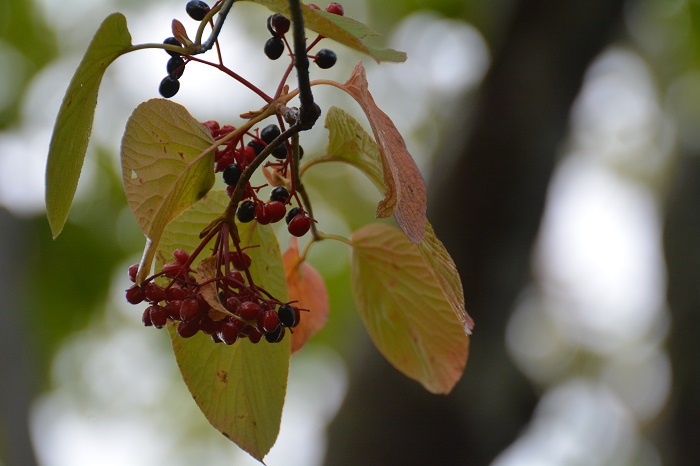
239,388
305,285
411,306
167,165
405,195
180,33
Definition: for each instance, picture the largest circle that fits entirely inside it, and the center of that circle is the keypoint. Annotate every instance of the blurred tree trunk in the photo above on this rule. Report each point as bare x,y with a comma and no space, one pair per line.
681,234
486,207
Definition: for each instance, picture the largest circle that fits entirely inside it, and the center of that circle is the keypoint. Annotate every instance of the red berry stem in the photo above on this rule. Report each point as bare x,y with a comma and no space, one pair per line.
235,76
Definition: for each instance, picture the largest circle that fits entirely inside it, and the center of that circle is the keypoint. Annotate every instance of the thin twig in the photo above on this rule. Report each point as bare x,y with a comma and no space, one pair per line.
309,110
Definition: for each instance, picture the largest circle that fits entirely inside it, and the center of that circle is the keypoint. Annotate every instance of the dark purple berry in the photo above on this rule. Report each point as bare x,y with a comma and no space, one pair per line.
274,48
275,336
325,58
175,67
197,9
246,211
257,146
270,133
232,174
280,152
278,24
293,212
280,194
287,315
176,43
169,87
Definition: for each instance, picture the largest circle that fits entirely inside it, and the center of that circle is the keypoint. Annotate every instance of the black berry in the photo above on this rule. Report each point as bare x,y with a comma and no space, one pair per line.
293,212
287,315
277,24
276,336
257,146
274,48
246,211
280,194
175,42
325,58
270,133
175,67
280,151
169,87
232,174
197,9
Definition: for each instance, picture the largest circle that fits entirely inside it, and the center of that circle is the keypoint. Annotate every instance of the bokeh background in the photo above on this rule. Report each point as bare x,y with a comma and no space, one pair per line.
559,141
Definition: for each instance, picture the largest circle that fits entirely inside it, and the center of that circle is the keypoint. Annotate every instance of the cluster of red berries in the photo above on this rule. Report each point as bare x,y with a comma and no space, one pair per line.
251,314
232,158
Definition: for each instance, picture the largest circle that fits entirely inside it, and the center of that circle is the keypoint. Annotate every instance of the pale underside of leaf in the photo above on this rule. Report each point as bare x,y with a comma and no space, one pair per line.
74,121
239,388
412,317
167,165
405,195
341,29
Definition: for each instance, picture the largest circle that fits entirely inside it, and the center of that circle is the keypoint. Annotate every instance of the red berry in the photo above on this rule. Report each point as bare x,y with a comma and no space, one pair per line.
154,292
262,216
208,326
189,310
174,292
299,225
228,332
173,308
173,269
133,270
313,6
240,261
249,310
249,154
135,295
335,8
276,211
212,126
187,329
253,335
181,256
234,278
146,317
268,321
232,304
159,316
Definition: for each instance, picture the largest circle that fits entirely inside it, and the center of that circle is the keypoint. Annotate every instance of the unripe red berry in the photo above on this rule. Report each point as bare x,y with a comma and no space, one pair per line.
187,329
181,256
253,335
232,304
249,310
146,317
133,270
159,316
235,278
228,332
173,308
268,321
261,214
299,225
154,292
240,261
175,293
189,310
135,295
313,6
335,8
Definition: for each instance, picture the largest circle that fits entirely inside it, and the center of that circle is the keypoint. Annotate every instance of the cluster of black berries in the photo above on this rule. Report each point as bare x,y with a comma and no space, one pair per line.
250,314
278,25
175,67
232,158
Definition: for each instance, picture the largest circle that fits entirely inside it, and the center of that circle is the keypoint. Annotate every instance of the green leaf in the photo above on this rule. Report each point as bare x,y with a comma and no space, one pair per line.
341,29
239,388
74,121
348,142
167,165
412,307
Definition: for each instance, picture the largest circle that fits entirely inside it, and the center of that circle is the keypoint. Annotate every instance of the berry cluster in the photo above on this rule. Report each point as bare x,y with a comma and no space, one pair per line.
243,310
231,160
175,68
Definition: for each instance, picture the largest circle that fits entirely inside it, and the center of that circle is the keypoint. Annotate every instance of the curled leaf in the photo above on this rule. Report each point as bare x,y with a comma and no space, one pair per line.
305,285
405,195
74,121
206,272
412,306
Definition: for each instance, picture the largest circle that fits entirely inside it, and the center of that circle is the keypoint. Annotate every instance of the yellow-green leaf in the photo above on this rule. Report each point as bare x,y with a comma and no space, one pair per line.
412,307
239,388
74,121
341,29
348,142
167,165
